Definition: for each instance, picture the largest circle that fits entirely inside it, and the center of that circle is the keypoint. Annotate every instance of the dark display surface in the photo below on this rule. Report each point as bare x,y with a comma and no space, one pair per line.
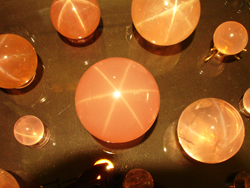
179,70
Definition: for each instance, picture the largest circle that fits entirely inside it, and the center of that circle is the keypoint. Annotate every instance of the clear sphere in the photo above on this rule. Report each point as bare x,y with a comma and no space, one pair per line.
18,61
138,178
230,38
165,22
28,130
245,103
211,130
7,180
75,19
117,100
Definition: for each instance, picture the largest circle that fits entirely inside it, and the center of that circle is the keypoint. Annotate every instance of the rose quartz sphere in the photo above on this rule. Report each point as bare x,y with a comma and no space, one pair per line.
165,22
138,178
245,108
28,130
7,180
18,61
211,130
230,38
75,19
117,100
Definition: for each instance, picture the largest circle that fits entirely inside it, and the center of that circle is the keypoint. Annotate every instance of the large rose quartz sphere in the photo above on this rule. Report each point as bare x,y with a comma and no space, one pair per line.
7,180
117,100
230,38
211,130
75,19
165,22
18,61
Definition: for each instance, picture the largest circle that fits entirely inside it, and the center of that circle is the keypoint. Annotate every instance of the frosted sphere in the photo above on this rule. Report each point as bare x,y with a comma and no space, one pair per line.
230,38
211,130
18,61
138,178
117,100
7,180
28,130
165,22
75,19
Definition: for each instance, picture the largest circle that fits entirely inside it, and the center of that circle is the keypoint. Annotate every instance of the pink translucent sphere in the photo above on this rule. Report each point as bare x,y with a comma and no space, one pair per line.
211,130
28,130
7,180
117,100
165,22
138,178
18,61
75,19
230,38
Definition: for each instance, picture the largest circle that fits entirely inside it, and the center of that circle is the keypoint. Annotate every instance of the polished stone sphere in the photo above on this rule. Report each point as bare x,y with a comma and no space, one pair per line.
7,180
211,130
138,178
18,61
230,38
245,103
165,22
75,19
117,100
28,130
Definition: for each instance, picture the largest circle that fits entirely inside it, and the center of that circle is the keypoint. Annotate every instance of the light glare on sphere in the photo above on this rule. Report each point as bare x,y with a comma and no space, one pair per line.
75,19
165,22
211,130
18,61
117,100
230,38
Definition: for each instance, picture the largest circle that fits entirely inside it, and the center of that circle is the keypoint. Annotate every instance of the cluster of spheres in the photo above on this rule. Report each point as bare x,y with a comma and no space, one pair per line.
75,19
230,38
165,22
211,130
117,100
18,62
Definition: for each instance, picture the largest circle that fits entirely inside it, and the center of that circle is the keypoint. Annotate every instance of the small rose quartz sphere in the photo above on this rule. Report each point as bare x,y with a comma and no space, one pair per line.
117,100
18,61
245,103
7,180
29,130
138,178
211,130
230,38
165,22
75,19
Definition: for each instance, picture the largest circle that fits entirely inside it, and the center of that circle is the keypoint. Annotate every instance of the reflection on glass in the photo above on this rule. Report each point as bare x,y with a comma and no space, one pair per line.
18,62
7,180
230,38
161,22
117,100
211,130
138,178
245,104
30,131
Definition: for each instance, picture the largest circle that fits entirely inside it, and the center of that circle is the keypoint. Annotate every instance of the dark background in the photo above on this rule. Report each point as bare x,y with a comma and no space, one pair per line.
179,70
